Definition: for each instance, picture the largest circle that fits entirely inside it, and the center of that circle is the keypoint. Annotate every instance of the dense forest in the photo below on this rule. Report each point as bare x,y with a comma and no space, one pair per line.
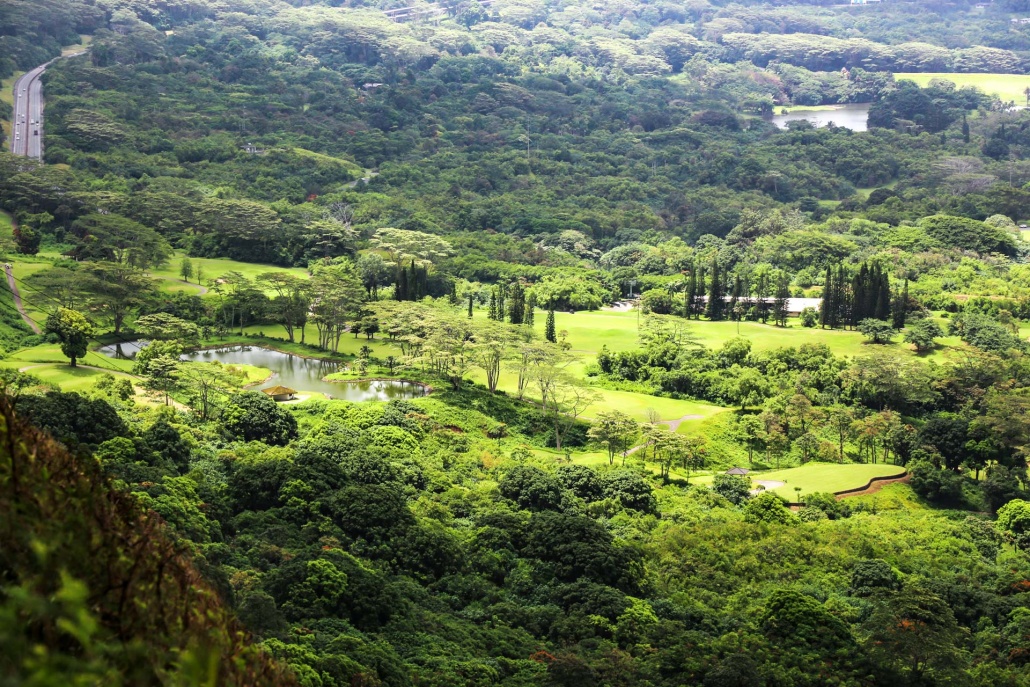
603,276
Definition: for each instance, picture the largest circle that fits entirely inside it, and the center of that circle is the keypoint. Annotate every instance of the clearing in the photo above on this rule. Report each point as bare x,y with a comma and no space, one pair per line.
1005,86
820,477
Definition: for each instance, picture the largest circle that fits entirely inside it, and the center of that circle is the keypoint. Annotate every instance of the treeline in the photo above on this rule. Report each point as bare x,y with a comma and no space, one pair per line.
826,53
32,33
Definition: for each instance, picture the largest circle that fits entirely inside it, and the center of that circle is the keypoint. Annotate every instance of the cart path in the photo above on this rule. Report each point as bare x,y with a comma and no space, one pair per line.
877,485
17,299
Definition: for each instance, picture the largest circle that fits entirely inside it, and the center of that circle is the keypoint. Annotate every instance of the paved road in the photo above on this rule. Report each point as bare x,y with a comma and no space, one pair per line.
27,130
17,298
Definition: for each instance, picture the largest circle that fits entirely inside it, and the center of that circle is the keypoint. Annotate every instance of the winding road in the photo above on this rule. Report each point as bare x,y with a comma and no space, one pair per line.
27,127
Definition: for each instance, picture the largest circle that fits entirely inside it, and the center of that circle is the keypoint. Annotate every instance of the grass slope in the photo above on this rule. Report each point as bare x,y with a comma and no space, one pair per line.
1005,86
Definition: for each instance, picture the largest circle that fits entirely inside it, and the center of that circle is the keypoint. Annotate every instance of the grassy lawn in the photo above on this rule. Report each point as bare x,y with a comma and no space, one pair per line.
212,269
69,378
599,460
51,353
815,477
1005,86
588,331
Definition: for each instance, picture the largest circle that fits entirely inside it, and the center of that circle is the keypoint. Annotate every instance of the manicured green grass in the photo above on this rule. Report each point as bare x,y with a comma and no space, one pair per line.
69,378
212,269
51,353
588,331
822,477
1005,86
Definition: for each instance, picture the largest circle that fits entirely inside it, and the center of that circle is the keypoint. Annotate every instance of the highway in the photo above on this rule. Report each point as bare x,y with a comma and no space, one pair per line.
28,110
27,128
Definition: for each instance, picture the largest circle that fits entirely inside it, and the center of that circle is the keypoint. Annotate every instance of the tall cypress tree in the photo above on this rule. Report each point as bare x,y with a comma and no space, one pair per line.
780,301
826,306
502,292
841,299
530,306
517,310
858,298
716,295
491,313
691,293
899,308
549,332
883,296
470,306
762,295
735,298
401,292
698,305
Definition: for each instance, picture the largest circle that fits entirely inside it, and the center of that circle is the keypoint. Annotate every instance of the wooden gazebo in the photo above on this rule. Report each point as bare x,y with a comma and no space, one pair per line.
280,393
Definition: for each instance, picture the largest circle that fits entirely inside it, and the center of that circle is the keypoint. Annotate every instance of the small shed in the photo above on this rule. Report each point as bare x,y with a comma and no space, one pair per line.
280,393
738,471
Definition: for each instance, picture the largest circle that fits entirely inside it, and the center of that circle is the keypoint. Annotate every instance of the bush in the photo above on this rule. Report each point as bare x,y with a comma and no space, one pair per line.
939,486
768,507
253,416
734,488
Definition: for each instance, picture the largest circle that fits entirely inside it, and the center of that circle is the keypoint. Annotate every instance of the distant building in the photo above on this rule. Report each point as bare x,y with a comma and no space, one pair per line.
1020,20
794,305
864,2
740,472
253,149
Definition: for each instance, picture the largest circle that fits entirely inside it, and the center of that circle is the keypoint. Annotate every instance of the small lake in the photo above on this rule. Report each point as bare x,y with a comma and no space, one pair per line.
851,116
294,371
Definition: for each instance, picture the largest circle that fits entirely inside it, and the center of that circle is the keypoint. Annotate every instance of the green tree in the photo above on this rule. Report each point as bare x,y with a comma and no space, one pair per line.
735,488
876,331
615,430
769,508
549,331
923,334
253,416
292,301
185,268
750,430
914,634
73,332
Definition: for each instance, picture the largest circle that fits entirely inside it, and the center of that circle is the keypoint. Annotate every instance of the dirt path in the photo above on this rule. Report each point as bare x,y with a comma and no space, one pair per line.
675,424
203,289
877,486
768,484
11,284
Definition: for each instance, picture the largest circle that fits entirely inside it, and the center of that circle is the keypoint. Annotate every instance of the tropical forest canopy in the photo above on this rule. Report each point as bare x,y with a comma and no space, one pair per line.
577,227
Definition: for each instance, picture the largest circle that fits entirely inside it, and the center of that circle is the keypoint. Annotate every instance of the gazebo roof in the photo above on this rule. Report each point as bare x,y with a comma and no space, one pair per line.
737,471
279,390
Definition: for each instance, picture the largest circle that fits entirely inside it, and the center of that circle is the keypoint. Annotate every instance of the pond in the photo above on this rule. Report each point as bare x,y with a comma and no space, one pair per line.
294,371
851,116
